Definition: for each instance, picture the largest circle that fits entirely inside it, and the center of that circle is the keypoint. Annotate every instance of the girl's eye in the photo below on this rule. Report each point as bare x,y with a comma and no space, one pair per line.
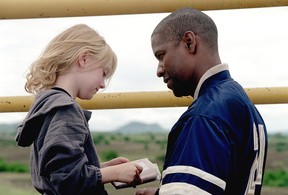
104,74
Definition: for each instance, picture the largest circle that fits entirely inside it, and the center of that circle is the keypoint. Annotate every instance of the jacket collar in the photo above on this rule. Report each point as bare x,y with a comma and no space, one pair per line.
209,73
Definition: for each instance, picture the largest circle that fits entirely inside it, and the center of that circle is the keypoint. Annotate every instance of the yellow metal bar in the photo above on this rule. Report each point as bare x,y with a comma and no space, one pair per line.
276,95
135,100
18,9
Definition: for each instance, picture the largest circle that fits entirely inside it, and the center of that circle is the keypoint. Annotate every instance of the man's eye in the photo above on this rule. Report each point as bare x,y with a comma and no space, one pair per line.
160,56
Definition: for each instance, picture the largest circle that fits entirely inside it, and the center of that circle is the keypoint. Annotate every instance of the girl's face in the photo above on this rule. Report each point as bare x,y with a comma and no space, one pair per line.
91,79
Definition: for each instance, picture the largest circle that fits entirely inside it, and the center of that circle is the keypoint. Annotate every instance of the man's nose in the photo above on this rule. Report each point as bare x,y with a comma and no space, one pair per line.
160,70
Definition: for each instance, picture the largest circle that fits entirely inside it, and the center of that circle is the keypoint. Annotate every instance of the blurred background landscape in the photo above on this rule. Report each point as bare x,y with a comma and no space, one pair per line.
252,41
134,140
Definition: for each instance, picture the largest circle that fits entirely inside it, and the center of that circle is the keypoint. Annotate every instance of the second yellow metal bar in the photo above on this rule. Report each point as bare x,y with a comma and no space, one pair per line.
275,95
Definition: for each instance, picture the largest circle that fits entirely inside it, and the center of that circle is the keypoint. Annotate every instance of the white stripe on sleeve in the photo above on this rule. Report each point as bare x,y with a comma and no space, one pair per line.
197,172
181,188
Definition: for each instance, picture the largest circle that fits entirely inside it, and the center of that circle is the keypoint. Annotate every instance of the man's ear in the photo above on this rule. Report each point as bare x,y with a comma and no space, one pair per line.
189,39
82,59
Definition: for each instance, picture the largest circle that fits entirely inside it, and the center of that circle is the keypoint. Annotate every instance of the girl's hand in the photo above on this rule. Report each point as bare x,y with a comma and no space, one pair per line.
115,161
128,172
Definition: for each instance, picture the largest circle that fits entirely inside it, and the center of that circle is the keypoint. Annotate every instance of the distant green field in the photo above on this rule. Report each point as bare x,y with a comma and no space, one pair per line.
134,146
16,184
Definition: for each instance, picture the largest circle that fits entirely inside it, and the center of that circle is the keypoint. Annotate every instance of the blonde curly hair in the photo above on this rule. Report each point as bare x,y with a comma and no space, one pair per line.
63,51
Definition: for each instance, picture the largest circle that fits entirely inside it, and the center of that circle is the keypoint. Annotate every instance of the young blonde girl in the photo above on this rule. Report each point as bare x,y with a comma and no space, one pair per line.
76,63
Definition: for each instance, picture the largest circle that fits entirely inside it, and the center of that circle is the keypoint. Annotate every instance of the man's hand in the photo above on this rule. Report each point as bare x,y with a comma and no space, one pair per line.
146,191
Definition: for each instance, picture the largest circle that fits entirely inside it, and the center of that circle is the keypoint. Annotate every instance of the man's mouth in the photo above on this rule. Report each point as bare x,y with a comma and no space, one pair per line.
166,80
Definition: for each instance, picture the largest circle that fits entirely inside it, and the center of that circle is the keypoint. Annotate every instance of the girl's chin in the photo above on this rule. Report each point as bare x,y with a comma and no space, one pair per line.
87,97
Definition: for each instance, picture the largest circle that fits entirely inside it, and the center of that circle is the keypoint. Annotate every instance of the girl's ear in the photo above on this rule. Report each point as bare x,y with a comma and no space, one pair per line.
82,59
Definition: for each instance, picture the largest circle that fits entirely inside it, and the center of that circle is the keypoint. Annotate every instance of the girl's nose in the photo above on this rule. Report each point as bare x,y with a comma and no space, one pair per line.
102,85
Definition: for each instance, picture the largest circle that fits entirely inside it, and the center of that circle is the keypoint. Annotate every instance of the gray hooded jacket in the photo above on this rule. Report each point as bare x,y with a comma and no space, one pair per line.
63,158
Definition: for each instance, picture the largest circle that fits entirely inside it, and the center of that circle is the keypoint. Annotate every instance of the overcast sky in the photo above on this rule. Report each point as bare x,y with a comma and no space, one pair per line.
253,42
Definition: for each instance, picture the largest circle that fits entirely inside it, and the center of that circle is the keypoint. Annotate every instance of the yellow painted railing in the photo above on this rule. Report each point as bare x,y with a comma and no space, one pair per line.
276,95
18,9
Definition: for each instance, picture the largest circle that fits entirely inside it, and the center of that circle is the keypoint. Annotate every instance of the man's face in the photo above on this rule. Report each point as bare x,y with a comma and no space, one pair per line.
174,65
